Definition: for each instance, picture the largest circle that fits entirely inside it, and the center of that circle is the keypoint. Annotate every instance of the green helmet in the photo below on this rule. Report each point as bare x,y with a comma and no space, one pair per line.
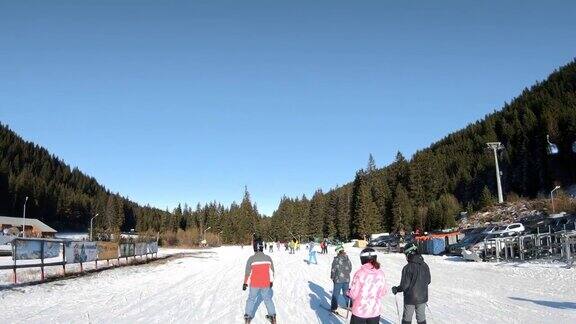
339,248
410,249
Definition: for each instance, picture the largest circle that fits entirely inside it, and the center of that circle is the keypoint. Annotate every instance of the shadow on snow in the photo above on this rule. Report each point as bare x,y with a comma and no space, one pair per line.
548,303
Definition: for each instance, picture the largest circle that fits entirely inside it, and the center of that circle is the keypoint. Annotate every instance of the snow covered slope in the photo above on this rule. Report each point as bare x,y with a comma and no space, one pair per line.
206,287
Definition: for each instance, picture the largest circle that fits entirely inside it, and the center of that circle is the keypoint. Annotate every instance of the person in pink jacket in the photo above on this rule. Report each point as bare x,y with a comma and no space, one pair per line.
367,290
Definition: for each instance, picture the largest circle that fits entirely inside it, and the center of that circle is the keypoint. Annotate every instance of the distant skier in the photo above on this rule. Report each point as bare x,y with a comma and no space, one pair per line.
271,248
367,290
414,285
312,253
340,275
260,272
325,247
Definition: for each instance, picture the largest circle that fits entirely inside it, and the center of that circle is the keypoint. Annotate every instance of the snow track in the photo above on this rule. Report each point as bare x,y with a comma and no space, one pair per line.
206,287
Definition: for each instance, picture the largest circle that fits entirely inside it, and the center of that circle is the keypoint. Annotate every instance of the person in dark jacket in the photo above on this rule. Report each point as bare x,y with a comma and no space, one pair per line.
340,275
414,285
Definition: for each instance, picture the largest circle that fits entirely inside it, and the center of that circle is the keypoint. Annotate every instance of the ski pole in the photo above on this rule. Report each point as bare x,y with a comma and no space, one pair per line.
397,309
348,307
429,311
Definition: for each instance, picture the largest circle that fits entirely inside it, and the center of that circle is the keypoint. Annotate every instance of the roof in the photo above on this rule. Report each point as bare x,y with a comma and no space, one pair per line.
17,221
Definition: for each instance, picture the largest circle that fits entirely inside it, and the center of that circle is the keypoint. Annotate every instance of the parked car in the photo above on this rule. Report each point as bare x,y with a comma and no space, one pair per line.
466,243
564,223
490,229
508,230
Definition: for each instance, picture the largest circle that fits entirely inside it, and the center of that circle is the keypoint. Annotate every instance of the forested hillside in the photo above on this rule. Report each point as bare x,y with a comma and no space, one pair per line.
427,191
455,174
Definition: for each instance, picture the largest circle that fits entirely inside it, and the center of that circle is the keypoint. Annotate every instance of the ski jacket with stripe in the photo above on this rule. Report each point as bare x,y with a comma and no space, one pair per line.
415,281
259,270
367,290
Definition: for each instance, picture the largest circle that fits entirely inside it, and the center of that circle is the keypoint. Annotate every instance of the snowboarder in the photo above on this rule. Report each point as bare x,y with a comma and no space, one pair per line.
367,290
414,285
259,268
340,275
312,253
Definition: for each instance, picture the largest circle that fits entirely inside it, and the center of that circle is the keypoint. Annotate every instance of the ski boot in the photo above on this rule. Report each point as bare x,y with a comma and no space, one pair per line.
271,318
247,319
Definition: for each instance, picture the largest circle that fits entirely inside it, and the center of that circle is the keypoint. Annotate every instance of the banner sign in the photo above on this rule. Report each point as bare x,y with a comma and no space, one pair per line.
4,239
51,249
79,252
28,250
126,250
107,250
152,247
140,248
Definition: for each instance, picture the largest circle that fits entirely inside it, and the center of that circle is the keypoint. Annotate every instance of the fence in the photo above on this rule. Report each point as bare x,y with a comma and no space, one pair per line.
73,252
558,245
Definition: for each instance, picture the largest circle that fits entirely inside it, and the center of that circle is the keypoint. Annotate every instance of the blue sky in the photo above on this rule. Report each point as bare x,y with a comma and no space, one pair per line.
188,101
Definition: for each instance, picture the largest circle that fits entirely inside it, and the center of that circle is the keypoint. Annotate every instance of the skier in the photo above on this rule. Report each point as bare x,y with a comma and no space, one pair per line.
367,290
414,285
340,275
312,253
271,248
325,247
259,268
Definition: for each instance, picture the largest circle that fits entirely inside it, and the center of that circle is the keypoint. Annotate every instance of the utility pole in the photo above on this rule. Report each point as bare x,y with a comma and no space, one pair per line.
24,219
496,146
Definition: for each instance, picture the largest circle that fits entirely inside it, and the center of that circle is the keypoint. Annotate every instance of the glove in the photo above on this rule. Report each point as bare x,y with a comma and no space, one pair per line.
394,290
244,286
271,284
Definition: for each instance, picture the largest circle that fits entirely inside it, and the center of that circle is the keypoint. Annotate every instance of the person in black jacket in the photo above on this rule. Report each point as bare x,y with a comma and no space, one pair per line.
414,285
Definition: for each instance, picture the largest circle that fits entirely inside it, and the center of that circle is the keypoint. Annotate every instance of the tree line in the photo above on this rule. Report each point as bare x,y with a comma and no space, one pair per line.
426,192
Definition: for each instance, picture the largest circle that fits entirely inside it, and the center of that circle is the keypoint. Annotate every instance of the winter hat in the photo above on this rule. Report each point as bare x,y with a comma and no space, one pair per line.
339,248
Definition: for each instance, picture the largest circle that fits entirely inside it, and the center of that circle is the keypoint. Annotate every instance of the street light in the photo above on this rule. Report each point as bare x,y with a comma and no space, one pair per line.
552,148
24,219
204,236
552,197
495,146
91,219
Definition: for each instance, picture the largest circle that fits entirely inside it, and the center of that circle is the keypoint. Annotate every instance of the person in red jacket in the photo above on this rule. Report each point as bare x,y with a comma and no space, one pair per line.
260,274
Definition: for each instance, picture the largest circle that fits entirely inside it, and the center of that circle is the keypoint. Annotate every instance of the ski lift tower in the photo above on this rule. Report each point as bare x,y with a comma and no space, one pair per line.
496,146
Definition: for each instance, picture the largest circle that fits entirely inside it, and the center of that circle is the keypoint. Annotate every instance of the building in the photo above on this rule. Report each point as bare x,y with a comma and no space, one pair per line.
34,227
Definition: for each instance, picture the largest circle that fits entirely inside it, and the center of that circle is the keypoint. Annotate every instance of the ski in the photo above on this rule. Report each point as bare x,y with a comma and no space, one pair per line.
335,312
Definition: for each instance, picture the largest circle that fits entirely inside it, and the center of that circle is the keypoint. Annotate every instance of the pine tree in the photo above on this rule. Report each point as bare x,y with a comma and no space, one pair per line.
402,210
364,212
317,214
486,198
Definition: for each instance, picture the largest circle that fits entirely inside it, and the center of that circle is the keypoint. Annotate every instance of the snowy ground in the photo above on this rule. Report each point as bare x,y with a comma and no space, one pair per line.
205,287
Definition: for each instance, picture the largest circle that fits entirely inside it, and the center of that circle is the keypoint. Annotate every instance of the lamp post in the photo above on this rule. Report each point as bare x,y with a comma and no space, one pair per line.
204,236
91,219
552,148
495,146
552,197
24,218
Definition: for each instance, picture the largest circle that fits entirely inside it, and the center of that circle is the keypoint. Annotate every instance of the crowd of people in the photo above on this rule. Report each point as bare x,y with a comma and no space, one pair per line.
363,294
